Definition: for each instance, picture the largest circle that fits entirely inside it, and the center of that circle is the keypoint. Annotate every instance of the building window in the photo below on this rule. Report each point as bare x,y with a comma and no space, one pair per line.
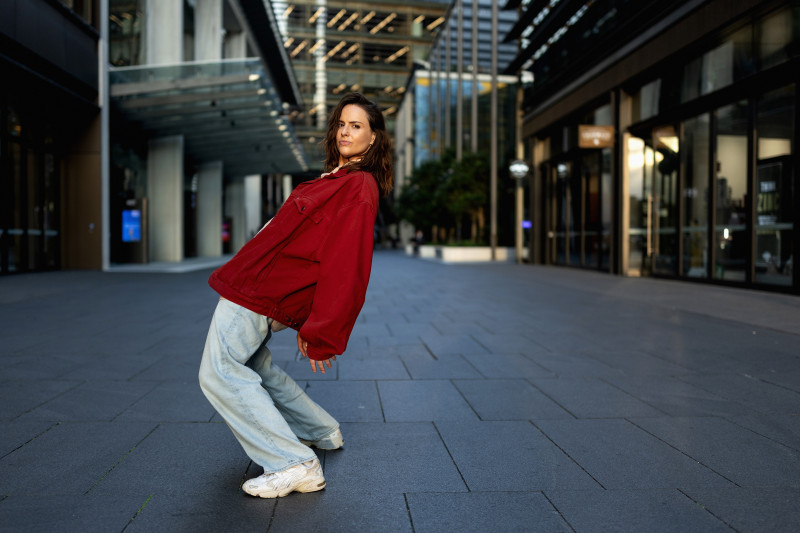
720,67
695,196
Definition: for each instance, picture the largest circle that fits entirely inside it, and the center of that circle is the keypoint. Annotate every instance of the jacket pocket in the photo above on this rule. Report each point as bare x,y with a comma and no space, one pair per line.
309,209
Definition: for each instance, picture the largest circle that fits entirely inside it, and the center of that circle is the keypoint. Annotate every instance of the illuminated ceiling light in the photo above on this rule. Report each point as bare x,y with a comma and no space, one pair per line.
332,52
282,127
317,44
353,59
261,91
435,23
288,42
288,11
347,22
316,15
336,18
390,110
367,17
350,50
254,77
397,54
419,19
387,89
299,47
355,87
339,88
382,24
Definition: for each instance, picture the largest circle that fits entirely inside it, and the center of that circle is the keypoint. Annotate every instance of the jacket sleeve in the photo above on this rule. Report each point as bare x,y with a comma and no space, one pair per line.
345,264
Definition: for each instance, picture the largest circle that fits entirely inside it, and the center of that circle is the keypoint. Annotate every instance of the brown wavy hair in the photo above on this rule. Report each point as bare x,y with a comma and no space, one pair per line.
377,160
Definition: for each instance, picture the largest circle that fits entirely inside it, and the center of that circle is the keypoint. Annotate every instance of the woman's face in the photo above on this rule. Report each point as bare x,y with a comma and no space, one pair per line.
354,136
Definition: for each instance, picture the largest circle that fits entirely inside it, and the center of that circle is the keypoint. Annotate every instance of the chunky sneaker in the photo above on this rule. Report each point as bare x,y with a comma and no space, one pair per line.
334,441
305,477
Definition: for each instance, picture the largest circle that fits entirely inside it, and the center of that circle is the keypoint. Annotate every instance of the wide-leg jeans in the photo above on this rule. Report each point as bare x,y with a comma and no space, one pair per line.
266,410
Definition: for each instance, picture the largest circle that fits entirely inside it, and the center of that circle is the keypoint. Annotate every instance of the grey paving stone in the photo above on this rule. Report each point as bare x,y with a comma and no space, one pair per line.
654,511
452,344
620,455
446,366
171,368
592,398
507,365
480,512
189,343
509,399
638,363
70,458
369,330
212,509
384,342
20,396
96,401
50,366
171,401
784,429
752,509
677,398
347,401
734,452
301,370
405,330
122,365
414,401
788,376
15,434
571,365
372,368
510,456
756,394
400,350
181,458
391,457
510,342
67,513
333,511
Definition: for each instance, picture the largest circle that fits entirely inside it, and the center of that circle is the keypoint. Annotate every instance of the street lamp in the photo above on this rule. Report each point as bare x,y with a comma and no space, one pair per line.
519,171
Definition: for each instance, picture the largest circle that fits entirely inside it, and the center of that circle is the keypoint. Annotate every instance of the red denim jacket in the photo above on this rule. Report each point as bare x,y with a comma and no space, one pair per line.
310,266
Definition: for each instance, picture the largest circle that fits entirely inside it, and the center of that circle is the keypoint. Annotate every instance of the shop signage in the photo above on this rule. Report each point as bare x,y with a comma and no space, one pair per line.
595,136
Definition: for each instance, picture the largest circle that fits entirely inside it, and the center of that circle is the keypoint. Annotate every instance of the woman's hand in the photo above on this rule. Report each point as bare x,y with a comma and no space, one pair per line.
302,345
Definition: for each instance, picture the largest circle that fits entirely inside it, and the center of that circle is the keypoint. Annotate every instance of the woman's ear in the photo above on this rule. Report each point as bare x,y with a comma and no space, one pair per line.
373,139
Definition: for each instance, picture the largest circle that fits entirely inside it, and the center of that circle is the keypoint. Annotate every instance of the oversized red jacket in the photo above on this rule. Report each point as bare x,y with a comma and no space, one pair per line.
309,268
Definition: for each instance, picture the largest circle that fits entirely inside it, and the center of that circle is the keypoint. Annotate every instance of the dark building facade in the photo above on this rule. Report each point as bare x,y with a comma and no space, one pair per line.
663,137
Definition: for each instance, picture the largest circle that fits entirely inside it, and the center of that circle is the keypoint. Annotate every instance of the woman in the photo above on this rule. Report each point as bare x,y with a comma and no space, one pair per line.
307,269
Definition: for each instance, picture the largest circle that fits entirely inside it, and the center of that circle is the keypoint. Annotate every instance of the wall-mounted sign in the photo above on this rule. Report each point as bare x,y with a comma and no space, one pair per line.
595,136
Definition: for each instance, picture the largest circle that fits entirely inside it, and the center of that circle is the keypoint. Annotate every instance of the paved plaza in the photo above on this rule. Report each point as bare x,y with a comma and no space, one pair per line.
472,397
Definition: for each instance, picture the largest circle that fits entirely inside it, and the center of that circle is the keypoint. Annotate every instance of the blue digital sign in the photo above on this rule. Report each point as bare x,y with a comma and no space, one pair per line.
131,225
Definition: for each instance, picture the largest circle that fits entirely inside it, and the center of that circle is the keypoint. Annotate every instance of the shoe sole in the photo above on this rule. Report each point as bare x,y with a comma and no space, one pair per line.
306,487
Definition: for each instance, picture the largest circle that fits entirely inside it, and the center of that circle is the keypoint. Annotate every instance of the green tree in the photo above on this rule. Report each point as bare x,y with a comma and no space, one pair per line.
465,194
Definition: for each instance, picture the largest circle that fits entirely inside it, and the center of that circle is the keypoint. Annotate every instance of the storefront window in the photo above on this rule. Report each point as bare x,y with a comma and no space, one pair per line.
774,188
695,196
665,202
646,101
720,67
775,35
126,19
731,219
641,158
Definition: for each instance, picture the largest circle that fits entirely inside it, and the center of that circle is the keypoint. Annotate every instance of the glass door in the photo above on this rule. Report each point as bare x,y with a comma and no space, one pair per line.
664,205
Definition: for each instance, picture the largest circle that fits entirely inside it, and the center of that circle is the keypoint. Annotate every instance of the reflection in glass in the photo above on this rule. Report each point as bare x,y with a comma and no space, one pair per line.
664,204
695,197
641,159
731,219
774,224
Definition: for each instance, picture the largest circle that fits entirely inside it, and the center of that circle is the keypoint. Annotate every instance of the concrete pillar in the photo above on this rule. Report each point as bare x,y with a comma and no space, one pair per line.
209,210
165,198
234,207
208,30
235,45
164,32
252,205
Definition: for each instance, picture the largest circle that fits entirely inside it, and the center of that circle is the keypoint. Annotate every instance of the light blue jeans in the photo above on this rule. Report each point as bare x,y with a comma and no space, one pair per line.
266,410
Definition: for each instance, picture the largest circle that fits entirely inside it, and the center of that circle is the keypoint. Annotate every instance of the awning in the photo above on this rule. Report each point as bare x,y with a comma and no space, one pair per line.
226,110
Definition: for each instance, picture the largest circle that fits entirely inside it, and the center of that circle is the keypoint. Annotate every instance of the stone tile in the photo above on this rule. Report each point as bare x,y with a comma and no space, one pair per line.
448,366
675,397
20,396
119,366
414,401
510,456
483,511
209,510
638,363
772,509
201,458
171,368
334,511
404,330
592,398
347,401
754,393
372,368
369,330
70,458
395,351
784,429
507,365
171,401
89,513
301,370
634,510
571,365
620,455
15,434
391,458
91,401
452,344
738,454
508,399
510,343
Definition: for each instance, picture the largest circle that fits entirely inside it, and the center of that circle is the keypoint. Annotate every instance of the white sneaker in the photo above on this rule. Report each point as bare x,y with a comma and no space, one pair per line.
334,441
305,477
